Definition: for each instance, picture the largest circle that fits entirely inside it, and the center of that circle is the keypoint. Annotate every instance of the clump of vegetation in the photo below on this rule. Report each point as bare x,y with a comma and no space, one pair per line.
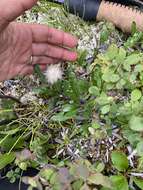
85,131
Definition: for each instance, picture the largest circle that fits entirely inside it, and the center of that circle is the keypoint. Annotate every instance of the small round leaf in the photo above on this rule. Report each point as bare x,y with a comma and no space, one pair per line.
105,109
136,95
136,123
119,160
94,90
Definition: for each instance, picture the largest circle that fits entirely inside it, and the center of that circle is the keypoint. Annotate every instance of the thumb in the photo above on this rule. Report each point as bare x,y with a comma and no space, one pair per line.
11,9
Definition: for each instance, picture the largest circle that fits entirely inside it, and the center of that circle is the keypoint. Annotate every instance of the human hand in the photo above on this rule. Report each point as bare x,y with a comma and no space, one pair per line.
20,41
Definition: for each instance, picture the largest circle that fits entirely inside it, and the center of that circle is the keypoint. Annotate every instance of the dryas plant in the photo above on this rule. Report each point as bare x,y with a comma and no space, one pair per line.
85,131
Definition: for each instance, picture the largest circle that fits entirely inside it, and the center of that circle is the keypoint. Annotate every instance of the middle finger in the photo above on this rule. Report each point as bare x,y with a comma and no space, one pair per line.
43,49
43,60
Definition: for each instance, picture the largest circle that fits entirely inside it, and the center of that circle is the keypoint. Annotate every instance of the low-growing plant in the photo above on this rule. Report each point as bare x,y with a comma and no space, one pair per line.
84,132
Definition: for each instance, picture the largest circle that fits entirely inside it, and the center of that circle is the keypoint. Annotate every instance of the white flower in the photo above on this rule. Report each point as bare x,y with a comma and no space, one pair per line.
53,73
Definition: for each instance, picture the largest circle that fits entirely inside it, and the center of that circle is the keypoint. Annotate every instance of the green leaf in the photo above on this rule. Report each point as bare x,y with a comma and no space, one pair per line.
132,136
7,104
119,182
114,78
59,117
9,174
136,95
133,28
133,40
105,109
47,173
121,56
138,182
95,125
13,179
104,34
138,68
119,160
23,166
10,132
82,57
133,77
132,59
11,141
6,159
93,90
136,123
107,76
140,148
7,114
54,178
112,52
77,184
79,171
100,167
68,108
32,182
99,179
104,99
120,84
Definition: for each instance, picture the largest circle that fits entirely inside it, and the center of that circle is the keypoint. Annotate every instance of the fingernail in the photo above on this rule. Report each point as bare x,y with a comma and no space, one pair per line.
74,56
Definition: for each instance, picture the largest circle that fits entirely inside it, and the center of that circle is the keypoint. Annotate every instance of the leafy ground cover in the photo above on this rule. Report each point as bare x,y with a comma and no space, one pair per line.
86,131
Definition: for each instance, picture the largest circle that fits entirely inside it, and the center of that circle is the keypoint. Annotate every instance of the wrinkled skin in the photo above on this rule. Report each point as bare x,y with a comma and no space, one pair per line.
20,41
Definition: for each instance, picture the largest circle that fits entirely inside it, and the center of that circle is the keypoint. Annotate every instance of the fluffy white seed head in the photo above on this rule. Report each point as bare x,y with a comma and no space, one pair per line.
53,73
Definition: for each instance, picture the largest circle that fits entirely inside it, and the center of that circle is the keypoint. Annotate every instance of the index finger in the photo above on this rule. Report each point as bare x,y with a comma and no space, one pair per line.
11,9
44,34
